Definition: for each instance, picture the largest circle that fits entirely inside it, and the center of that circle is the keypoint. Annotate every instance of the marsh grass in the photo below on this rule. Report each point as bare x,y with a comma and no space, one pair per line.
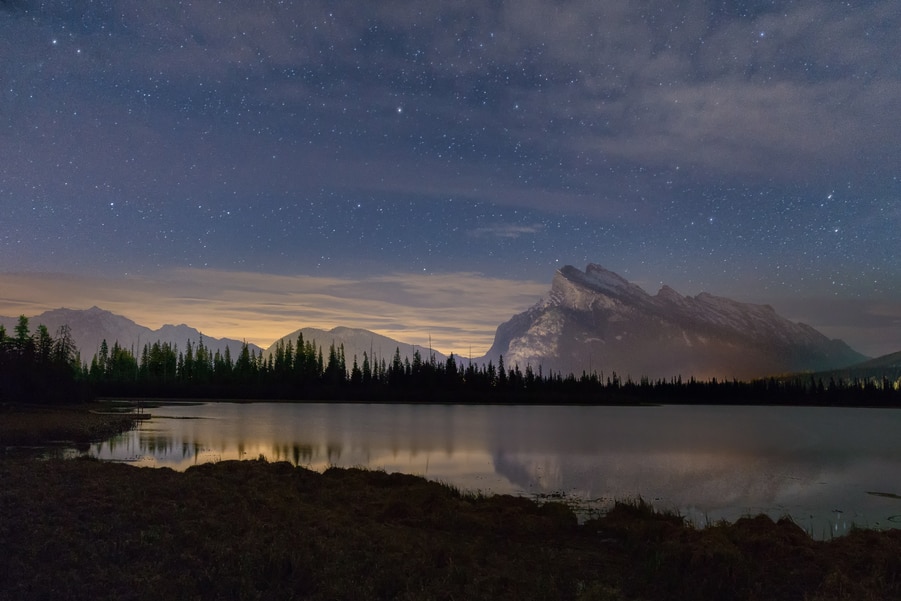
257,530
77,425
81,529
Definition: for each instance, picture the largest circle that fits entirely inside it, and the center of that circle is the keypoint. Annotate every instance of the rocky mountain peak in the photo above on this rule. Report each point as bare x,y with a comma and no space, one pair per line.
596,317
593,288
667,294
601,280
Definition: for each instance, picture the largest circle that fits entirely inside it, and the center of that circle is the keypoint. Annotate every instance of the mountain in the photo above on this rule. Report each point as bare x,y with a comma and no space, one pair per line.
90,327
356,342
597,321
874,370
890,361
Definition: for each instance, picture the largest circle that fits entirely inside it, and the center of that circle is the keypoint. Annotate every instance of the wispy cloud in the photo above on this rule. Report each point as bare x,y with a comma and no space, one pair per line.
456,310
721,91
506,230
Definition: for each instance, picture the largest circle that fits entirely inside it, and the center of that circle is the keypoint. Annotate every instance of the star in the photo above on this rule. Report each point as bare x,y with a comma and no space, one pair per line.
642,146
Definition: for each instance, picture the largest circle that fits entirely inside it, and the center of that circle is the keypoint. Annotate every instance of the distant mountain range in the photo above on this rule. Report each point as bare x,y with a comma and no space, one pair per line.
590,321
90,327
596,321
886,366
356,342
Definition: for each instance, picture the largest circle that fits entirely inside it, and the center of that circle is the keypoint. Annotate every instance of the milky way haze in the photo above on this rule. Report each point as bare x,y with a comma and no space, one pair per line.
749,149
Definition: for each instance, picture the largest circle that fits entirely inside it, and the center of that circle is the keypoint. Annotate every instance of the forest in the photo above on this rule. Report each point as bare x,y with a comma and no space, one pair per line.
40,367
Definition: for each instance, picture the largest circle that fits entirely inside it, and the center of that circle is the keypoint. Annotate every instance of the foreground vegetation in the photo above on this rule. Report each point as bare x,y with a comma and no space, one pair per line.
253,530
74,425
77,529
39,367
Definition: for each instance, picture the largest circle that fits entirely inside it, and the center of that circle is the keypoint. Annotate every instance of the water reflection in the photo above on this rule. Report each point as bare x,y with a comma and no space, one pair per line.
816,465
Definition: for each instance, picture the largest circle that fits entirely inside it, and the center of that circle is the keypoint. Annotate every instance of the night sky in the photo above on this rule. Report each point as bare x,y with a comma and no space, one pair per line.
421,169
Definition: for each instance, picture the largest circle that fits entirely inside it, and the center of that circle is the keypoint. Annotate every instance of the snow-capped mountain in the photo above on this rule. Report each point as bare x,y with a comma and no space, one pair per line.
89,327
356,342
596,321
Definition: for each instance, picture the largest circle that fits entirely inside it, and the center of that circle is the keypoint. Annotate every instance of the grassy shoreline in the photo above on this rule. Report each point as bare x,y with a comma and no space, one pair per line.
78,425
256,530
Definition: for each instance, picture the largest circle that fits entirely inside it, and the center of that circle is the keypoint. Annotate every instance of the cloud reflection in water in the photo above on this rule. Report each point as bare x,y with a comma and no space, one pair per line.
710,463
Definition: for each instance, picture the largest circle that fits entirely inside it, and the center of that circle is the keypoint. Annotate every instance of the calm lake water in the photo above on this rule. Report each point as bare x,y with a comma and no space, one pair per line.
825,467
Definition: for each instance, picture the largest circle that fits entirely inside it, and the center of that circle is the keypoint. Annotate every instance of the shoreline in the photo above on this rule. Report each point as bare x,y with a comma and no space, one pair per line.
252,529
23,425
150,402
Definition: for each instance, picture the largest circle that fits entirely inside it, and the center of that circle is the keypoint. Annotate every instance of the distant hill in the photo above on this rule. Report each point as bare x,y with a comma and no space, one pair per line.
886,366
90,327
357,341
890,361
597,321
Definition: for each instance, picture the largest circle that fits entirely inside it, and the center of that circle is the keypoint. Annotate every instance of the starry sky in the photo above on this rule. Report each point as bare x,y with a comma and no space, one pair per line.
421,169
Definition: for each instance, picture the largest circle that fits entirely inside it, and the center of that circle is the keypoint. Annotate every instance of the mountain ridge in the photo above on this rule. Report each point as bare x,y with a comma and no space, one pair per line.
590,321
357,341
596,320
89,327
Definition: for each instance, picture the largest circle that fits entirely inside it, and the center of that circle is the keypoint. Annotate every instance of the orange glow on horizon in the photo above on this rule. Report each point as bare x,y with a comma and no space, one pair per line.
457,312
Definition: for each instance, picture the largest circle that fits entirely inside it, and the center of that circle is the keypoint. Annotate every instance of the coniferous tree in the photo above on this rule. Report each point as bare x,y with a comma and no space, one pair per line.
202,363
186,372
43,346
122,366
356,374
23,341
244,365
64,349
501,373
100,362
366,375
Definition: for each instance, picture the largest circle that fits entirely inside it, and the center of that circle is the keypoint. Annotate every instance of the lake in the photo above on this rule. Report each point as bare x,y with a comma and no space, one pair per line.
827,468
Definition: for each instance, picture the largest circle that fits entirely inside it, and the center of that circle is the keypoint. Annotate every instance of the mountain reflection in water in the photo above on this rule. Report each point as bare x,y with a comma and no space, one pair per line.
818,465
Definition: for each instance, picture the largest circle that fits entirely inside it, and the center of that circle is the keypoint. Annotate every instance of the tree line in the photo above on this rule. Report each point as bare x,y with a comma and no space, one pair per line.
40,367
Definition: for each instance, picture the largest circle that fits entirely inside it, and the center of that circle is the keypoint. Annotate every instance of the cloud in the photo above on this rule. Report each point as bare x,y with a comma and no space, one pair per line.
458,311
601,88
506,230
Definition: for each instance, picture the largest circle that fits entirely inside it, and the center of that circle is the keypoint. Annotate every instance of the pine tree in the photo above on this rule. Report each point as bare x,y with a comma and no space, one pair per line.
44,346
64,350
23,338
356,374
366,376
397,369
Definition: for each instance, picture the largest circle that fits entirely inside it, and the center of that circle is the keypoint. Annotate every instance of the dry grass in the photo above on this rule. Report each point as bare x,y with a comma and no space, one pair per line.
74,424
253,530
84,529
